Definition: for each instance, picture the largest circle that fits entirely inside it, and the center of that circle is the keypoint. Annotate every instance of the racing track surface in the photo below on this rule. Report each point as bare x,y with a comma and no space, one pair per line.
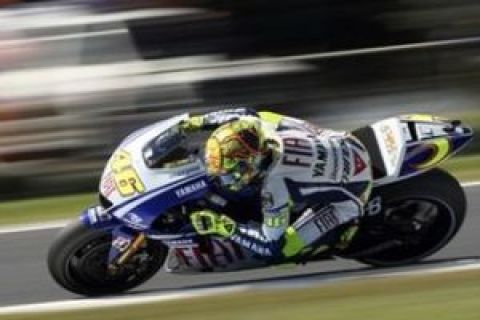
24,277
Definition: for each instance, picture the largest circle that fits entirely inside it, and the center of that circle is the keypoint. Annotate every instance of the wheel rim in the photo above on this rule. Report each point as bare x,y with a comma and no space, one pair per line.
438,226
88,265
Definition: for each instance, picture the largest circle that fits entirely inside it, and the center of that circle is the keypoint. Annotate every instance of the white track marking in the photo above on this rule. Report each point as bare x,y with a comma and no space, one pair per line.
57,224
90,303
471,184
61,223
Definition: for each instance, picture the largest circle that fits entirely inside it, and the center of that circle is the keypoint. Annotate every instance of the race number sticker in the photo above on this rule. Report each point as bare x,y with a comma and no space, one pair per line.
126,178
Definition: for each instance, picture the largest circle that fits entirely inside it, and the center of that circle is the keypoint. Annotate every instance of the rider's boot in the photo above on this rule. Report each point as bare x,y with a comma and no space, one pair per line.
316,228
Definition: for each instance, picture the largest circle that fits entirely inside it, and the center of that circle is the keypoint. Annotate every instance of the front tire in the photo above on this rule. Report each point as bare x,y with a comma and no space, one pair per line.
422,214
77,260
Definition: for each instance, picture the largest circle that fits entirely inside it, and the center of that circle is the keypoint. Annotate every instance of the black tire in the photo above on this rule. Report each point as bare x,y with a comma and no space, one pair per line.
77,261
437,188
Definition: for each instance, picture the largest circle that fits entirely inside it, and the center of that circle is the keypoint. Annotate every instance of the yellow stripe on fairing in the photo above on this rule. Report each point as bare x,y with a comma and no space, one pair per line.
442,149
424,118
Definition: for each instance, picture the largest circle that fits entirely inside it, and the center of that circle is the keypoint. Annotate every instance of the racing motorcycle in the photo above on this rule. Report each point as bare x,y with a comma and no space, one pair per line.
156,177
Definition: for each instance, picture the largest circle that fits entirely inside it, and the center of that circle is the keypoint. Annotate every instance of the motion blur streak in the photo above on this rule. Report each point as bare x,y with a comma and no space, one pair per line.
76,78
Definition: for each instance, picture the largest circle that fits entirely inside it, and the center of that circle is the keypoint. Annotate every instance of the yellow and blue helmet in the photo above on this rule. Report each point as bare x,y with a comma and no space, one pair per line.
234,152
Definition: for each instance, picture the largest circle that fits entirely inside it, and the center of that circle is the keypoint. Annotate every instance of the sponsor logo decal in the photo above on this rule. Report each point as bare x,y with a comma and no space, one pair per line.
134,220
107,187
321,161
326,220
359,163
220,253
191,188
121,243
374,206
297,152
252,245
347,165
391,144
218,117
333,175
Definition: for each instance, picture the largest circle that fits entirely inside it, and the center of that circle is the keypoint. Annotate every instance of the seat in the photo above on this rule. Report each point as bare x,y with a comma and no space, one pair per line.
366,135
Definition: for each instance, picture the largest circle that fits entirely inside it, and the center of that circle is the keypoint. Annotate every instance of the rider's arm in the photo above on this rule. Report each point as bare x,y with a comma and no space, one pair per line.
266,240
215,119
271,239
281,122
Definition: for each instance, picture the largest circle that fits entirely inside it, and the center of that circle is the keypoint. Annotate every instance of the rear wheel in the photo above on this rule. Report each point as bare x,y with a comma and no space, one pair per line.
77,260
418,217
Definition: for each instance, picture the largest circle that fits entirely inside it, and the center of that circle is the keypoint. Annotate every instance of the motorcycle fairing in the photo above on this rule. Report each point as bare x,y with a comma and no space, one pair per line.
148,207
99,218
143,178
423,156
140,212
404,146
128,174
391,135
199,254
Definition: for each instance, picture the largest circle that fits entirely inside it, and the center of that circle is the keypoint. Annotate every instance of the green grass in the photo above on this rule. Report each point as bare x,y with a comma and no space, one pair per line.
453,296
466,168
44,209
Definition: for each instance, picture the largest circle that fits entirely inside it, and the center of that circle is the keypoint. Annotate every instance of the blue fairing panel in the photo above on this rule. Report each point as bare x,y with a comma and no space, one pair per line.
428,154
98,218
140,212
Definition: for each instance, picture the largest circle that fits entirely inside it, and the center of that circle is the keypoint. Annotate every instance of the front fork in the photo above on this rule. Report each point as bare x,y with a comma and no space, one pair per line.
125,241
125,244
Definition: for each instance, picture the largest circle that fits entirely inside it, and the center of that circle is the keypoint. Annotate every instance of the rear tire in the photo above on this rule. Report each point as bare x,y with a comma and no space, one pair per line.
436,193
77,260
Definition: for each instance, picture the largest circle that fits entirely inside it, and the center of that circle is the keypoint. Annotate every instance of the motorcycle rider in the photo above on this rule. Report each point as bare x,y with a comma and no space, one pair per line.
294,162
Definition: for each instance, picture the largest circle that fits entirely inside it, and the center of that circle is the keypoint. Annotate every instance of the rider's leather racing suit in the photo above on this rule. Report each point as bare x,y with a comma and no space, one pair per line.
326,171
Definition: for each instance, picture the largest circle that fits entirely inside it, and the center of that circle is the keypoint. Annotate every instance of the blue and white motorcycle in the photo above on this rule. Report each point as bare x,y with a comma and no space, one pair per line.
156,177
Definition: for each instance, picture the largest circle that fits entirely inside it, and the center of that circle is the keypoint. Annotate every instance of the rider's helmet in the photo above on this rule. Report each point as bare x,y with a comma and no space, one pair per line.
234,152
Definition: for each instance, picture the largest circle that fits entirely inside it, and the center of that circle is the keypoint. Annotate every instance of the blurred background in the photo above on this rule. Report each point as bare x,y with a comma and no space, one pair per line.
77,76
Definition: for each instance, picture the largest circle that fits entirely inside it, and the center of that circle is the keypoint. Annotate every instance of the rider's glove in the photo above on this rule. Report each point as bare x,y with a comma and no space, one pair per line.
192,124
208,222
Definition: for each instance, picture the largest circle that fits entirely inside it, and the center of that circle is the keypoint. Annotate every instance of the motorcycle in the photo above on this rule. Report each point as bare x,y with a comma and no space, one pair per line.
156,177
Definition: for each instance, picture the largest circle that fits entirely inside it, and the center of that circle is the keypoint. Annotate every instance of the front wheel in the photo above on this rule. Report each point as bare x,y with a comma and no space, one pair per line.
77,260
419,216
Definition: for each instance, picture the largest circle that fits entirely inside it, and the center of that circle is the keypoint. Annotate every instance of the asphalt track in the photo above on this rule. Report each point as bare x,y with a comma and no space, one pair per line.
24,277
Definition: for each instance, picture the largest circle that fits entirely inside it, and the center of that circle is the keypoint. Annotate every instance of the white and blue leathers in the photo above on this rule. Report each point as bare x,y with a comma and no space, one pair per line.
326,171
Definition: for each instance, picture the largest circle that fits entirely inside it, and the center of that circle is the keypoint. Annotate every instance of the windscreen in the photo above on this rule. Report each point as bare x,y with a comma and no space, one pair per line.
167,148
